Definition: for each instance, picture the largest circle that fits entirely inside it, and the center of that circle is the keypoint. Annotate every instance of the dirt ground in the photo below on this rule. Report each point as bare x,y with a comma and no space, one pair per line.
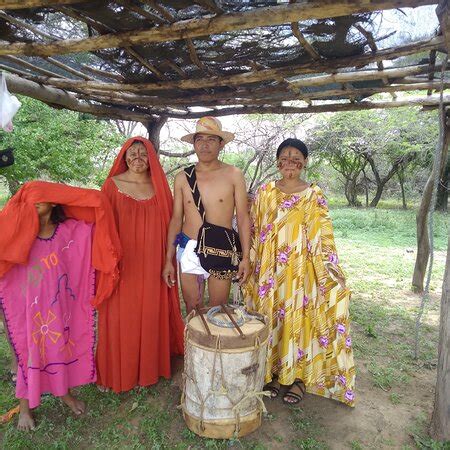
375,422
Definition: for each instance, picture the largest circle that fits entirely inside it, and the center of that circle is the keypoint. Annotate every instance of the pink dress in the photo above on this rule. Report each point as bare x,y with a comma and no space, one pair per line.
49,318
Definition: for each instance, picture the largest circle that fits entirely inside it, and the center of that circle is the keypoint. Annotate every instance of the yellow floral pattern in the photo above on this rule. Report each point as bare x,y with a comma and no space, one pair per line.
295,283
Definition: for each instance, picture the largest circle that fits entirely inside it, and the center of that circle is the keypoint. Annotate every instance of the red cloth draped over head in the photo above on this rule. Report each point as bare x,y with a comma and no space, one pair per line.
19,227
163,195
159,180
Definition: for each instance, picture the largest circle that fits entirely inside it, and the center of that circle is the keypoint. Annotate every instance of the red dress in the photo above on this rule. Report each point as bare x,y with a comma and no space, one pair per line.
140,325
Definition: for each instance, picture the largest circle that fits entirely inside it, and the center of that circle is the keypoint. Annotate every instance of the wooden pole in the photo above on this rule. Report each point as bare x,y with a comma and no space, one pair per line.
440,420
429,101
241,79
24,4
363,75
59,97
254,18
54,96
248,98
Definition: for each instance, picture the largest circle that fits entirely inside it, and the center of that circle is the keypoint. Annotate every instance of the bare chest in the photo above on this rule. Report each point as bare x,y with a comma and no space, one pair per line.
217,196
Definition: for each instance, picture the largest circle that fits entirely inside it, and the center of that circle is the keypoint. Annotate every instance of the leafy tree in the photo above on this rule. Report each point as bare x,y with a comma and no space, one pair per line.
62,145
370,148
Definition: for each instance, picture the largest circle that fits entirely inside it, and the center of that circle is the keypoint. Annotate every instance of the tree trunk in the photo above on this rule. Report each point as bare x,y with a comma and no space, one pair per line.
440,421
154,129
442,193
366,187
379,192
350,192
401,179
423,246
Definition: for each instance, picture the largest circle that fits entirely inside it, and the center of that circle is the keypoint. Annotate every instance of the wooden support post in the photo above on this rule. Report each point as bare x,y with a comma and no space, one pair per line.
440,421
423,246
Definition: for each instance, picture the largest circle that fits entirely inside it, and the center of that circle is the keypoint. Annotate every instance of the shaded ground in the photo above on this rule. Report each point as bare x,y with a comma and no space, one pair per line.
395,392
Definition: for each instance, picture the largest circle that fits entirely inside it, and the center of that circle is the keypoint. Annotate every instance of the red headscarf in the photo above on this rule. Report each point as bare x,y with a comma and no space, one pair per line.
19,225
159,180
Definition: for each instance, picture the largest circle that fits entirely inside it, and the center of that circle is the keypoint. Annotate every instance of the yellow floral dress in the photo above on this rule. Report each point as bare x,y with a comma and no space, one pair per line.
294,283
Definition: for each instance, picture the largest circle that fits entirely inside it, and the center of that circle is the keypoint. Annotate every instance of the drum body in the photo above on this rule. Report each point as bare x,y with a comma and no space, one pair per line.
223,377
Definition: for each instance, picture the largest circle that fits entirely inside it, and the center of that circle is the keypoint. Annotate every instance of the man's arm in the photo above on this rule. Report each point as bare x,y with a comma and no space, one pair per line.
175,225
243,221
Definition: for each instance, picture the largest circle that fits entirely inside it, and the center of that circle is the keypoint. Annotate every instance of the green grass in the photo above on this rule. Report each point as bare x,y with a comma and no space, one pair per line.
386,228
372,245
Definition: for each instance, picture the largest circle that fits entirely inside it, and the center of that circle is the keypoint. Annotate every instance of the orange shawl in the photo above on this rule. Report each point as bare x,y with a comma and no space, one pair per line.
19,225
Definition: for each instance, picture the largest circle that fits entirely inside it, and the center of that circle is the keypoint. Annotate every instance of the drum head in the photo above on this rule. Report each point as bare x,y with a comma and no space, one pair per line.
254,330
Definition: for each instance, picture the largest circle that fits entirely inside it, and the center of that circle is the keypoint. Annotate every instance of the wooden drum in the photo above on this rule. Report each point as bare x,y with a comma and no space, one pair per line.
224,374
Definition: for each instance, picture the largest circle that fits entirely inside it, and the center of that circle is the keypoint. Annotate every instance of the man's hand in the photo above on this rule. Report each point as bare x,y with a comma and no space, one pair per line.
168,274
244,271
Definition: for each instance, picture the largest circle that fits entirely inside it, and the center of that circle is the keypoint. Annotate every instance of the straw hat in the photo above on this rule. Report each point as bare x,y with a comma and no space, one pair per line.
209,125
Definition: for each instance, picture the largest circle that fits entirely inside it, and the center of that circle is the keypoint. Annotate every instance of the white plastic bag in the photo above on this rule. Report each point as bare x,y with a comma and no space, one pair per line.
9,105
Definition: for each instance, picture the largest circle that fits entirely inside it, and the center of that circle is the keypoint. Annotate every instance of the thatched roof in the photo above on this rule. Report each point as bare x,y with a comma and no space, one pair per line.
143,59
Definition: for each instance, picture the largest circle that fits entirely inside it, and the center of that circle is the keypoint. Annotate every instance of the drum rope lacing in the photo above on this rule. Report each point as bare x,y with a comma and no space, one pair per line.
224,391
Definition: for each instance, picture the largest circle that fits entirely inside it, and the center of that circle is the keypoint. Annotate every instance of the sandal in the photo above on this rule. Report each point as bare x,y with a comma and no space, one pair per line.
273,387
296,398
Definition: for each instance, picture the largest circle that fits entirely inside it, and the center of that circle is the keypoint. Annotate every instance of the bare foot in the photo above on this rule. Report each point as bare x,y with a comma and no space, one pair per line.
26,421
77,406
103,388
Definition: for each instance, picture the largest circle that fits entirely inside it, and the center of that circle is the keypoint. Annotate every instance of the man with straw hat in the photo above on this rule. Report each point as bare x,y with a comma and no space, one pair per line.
206,196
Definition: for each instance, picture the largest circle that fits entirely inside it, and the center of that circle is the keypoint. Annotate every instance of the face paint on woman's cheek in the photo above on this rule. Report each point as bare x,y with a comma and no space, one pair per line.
131,160
285,165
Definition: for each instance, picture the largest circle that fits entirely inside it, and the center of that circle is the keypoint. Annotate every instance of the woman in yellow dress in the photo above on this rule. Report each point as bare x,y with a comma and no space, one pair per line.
298,284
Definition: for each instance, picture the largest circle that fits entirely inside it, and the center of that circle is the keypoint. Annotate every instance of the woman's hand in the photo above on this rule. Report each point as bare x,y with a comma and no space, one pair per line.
168,274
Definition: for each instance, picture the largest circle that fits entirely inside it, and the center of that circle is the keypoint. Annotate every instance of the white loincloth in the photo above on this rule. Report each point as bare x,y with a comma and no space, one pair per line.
189,261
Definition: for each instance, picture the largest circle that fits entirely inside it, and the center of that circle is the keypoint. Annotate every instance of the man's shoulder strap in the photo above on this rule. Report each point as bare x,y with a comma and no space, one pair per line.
191,177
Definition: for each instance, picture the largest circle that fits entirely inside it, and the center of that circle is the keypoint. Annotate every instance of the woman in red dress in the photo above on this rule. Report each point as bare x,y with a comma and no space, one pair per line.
140,325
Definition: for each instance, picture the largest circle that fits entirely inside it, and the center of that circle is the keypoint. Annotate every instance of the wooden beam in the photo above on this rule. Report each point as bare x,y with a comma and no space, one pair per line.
103,73
163,11
134,54
430,102
250,77
373,46
54,96
69,69
303,41
271,74
78,16
141,11
362,75
210,5
217,99
32,67
21,24
25,4
145,63
194,56
257,17
15,71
